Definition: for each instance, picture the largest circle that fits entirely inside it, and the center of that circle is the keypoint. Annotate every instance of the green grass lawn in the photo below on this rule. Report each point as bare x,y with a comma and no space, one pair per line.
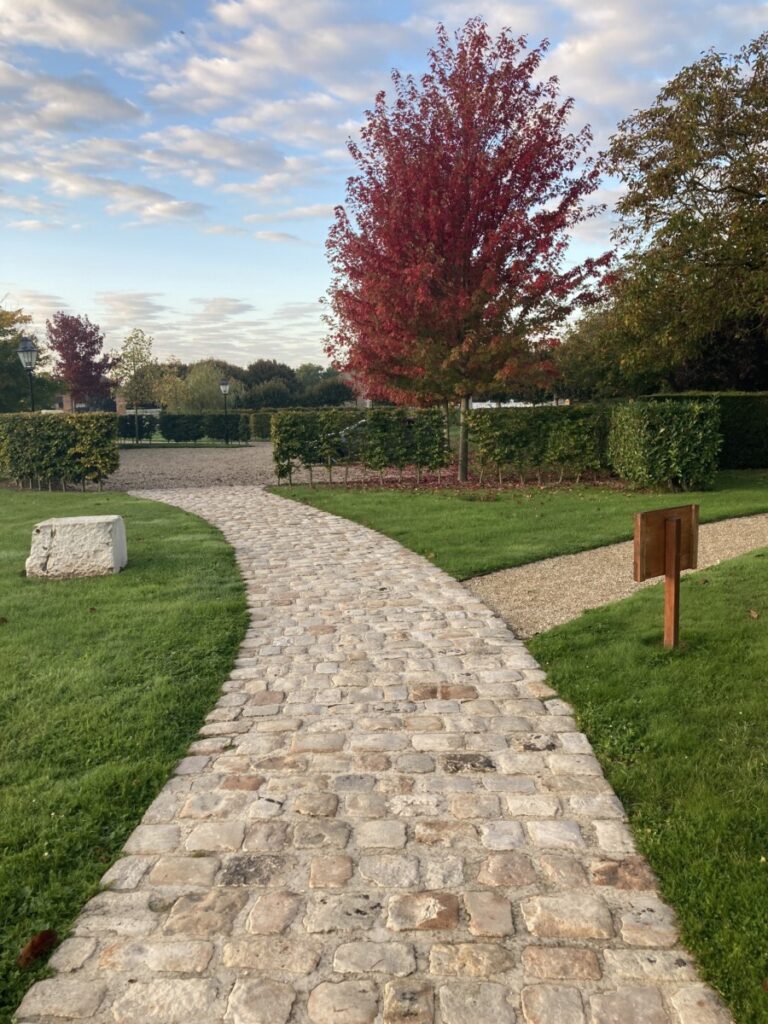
682,737
104,684
474,532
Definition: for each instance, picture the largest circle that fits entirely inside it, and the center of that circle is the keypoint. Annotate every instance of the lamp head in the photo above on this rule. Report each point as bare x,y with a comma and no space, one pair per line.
27,353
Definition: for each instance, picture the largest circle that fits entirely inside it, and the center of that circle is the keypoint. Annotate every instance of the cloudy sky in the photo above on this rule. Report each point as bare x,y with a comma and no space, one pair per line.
173,165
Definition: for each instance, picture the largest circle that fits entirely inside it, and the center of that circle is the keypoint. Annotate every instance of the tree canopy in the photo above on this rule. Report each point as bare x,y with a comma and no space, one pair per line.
80,362
448,257
689,307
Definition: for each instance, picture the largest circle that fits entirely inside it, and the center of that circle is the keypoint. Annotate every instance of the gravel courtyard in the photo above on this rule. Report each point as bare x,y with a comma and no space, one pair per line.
145,468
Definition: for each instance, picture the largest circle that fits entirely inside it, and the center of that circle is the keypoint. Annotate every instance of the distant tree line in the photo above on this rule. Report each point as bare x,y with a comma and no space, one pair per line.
72,359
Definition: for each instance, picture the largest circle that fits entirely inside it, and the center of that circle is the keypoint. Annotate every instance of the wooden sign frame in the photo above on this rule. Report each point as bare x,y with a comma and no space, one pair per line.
666,542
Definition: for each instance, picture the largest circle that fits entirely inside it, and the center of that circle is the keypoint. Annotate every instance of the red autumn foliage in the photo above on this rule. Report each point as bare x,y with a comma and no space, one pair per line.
449,257
77,344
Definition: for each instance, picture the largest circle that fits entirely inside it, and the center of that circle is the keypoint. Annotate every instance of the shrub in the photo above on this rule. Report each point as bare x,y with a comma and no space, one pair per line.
286,432
429,445
341,438
181,426
379,438
58,449
743,424
569,440
126,426
666,443
577,441
261,425
235,426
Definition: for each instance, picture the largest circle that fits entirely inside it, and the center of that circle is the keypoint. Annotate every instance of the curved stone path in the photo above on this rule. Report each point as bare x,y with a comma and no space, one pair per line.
388,818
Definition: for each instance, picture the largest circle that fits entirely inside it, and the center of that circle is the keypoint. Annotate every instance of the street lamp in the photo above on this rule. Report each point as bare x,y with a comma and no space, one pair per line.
224,388
27,353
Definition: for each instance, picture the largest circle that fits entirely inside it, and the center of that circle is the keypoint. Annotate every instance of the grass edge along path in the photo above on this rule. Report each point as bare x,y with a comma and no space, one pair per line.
471,533
682,738
106,681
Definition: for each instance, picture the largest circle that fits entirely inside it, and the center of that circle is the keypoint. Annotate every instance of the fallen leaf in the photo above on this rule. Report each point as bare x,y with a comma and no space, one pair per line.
3,620
38,946
91,609
753,614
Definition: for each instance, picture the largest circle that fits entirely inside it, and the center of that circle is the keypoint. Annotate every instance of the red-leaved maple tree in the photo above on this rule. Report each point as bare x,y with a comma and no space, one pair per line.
77,344
448,258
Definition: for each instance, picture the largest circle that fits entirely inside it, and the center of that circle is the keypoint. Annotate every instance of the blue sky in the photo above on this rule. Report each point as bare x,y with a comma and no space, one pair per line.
173,165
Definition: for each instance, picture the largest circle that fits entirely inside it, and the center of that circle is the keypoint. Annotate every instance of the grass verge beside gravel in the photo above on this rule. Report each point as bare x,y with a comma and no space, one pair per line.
104,684
682,738
470,533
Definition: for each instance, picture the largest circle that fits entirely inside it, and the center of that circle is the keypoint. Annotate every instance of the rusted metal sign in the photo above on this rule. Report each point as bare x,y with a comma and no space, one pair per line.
667,541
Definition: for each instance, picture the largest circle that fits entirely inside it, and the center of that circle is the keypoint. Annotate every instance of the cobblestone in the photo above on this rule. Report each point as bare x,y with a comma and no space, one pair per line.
388,817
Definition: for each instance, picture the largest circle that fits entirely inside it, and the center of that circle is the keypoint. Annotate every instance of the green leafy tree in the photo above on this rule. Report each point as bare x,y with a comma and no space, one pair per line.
14,382
137,373
262,370
328,392
309,374
202,391
694,217
272,394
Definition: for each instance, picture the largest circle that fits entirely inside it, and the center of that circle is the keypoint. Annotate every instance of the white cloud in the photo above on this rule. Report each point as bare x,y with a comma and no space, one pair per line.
89,25
317,210
276,236
41,103
148,204
32,225
40,305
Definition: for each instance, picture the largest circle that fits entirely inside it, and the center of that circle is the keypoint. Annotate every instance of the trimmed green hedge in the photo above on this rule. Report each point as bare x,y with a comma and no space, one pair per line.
377,438
666,443
743,424
561,439
55,449
181,426
235,426
191,427
126,426
261,425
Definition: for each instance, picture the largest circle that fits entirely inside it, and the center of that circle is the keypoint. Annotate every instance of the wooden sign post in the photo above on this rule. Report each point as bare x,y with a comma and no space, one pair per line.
666,542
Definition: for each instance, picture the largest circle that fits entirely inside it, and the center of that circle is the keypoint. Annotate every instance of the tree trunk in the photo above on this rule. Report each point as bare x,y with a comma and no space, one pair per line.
464,441
447,414
135,423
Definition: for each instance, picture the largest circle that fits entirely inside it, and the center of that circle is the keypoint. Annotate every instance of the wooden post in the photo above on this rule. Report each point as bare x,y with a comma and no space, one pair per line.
672,533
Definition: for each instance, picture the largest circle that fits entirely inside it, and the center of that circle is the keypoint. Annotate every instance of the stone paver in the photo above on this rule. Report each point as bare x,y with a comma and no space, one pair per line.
388,817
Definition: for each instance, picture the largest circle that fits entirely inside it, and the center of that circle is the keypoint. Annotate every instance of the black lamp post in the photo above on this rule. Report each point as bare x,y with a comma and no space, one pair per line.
224,388
27,353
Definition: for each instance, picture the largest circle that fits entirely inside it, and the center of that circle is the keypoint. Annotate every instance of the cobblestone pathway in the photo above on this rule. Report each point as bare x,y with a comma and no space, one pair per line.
388,817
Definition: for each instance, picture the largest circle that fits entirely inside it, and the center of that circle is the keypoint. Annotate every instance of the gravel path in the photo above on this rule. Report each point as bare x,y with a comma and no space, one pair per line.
533,598
388,819
165,467
162,467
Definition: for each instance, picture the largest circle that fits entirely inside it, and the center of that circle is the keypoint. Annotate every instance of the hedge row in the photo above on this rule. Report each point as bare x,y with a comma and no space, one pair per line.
672,444
58,450
649,444
377,438
183,426
126,426
565,440
743,424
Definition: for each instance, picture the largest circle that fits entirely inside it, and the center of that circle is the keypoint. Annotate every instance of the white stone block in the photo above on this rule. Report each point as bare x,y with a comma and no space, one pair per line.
78,546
